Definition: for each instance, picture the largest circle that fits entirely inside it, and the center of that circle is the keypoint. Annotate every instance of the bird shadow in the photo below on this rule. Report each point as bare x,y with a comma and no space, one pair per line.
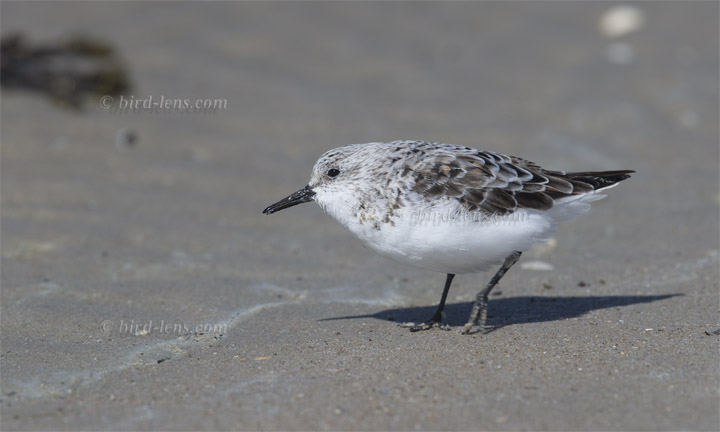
514,310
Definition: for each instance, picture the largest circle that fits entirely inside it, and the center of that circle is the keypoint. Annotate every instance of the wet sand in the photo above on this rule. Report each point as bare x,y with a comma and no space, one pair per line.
142,287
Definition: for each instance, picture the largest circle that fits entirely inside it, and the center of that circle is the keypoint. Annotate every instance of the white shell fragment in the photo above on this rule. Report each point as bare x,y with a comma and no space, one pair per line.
537,265
621,20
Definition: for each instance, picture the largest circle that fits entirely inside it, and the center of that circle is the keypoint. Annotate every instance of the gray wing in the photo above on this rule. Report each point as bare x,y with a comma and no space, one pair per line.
498,184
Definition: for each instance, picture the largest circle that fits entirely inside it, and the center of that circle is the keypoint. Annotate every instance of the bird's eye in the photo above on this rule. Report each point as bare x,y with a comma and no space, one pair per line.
333,172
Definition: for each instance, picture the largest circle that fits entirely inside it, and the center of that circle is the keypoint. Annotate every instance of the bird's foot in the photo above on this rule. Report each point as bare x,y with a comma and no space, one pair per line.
472,328
414,327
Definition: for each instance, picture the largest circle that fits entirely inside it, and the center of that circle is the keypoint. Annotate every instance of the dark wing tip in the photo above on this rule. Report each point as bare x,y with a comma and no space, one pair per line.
600,179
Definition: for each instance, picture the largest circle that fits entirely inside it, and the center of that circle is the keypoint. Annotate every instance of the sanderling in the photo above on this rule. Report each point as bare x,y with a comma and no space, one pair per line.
447,208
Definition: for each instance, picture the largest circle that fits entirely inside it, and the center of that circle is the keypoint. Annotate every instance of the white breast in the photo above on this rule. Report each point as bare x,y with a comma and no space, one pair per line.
445,237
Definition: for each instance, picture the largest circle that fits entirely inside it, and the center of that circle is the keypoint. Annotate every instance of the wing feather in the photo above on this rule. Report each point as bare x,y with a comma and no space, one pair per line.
498,184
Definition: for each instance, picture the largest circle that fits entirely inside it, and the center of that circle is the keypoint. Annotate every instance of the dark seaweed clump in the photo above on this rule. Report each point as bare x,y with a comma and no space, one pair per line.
72,71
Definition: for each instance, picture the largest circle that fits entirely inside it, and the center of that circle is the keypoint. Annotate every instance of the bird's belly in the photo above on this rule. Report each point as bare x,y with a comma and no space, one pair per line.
455,246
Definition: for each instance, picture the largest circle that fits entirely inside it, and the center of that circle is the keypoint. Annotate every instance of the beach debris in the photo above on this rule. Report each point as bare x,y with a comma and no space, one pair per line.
537,265
621,20
71,71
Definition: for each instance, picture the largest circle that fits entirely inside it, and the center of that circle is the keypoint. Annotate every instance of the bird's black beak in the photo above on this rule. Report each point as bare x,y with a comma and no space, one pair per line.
302,196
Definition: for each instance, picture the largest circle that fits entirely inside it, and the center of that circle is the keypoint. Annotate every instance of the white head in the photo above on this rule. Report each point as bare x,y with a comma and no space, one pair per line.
339,181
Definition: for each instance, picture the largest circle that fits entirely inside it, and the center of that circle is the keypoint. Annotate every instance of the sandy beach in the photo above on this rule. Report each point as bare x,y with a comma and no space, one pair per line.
143,288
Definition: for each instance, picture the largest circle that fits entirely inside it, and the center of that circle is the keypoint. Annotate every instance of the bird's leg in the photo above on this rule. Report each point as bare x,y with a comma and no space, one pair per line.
479,311
436,320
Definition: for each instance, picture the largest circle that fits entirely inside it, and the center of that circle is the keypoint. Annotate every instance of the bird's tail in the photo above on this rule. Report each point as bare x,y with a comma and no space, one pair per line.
599,180
585,187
